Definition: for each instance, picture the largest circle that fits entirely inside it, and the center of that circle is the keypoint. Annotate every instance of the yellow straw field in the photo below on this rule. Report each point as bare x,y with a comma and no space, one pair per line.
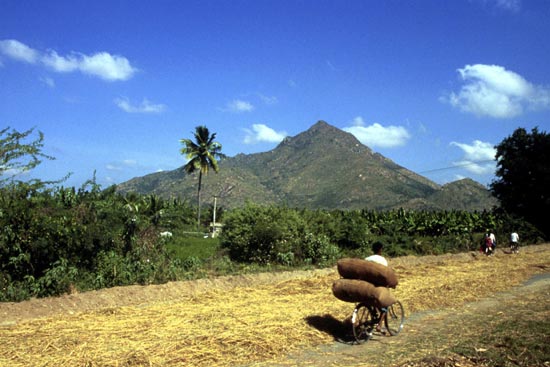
235,320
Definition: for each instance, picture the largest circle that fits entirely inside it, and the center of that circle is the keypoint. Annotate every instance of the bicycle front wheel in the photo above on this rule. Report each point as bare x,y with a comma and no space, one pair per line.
395,318
362,322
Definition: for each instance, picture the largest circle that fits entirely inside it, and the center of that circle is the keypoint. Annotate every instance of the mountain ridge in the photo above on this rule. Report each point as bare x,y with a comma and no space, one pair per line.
320,168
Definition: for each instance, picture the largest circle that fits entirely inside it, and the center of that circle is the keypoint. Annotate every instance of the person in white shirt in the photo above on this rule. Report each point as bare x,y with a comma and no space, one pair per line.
514,242
379,259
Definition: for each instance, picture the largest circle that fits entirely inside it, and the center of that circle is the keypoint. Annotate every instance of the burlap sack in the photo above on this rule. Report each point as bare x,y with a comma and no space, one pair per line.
377,274
354,290
385,298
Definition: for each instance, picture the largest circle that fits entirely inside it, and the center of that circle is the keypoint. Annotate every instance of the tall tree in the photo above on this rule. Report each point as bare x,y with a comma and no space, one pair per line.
18,154
524,176
202,153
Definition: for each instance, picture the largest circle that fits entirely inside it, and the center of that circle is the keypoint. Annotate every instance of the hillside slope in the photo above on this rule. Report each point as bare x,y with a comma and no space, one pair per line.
321,168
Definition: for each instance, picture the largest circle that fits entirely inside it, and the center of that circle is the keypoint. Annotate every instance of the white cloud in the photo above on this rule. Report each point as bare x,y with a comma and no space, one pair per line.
238,105
513,5
102,64
331,65
506,5
479,157
113,167
377,135
263,133
268,100
48,81
107,66
60,64
18,51
122,165
491,90
130,162
144,107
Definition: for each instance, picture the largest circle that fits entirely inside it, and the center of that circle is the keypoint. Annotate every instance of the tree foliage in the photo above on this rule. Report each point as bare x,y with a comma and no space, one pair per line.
18,154
203,154
88,238
56,238
53,238
523,172
268,234
275,235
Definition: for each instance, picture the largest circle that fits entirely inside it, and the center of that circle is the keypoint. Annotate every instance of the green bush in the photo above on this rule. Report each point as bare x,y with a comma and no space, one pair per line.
267,235
55,238
318,250
57,280
261,234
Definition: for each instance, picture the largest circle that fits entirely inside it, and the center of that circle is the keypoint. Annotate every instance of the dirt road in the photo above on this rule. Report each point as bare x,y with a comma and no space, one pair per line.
424,334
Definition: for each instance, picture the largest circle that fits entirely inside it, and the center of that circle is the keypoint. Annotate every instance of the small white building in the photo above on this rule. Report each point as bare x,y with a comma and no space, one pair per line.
215,229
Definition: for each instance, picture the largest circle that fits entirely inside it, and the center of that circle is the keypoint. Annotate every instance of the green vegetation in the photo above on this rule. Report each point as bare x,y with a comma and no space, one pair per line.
17,154
202,154
57,239
295,237
193,245
524,176
321,168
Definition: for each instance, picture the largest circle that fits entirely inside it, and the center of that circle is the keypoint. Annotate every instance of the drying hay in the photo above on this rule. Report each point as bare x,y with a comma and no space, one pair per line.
246,324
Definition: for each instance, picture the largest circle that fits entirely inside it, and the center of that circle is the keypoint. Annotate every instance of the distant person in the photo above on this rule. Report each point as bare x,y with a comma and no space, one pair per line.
493,241
379,259
487,246
514,242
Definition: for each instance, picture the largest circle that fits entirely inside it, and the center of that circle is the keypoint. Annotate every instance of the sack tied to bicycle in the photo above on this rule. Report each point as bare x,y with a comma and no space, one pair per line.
366,283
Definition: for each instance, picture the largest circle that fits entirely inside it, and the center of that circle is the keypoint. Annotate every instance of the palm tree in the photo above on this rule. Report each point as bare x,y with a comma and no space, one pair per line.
202,154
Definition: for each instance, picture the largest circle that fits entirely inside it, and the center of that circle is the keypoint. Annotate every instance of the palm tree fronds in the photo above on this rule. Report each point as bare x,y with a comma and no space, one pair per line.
202,155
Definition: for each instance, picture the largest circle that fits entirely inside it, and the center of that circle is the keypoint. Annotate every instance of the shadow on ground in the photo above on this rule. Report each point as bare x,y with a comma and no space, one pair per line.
339,330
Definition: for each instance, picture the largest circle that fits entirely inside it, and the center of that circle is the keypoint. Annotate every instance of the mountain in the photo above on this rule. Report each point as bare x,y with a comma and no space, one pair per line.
323,167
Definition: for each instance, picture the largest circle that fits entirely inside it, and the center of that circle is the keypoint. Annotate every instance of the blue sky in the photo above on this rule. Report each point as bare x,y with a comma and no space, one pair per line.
114,85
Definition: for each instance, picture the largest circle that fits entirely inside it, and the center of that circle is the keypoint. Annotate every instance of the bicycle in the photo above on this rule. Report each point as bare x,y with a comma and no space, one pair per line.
514,247
366,317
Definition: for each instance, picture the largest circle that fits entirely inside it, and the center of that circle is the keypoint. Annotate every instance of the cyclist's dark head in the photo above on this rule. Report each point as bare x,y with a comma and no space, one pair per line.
377,247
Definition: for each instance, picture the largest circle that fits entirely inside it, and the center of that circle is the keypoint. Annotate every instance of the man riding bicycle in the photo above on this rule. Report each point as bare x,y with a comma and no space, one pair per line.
379,259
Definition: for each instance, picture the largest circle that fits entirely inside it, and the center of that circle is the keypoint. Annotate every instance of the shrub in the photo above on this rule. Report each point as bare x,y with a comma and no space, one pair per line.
318,250
57,280
261,234
267,235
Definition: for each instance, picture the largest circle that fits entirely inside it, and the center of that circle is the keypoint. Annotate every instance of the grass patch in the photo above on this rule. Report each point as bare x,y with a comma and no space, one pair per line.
518,337
193,246
201,257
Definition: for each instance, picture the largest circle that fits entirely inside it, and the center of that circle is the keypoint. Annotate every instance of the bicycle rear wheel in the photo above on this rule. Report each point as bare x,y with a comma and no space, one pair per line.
362,322
395,318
